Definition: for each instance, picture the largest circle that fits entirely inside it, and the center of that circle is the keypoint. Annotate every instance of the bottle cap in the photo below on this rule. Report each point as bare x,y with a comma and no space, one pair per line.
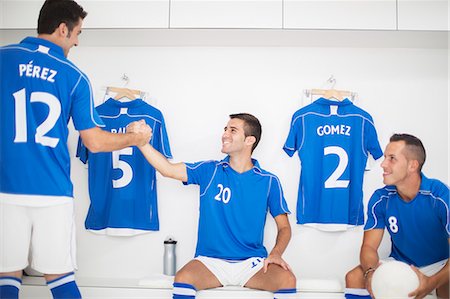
170,241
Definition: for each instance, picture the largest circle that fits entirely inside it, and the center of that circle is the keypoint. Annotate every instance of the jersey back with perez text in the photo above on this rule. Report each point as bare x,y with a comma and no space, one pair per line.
333,140
40,91
122,184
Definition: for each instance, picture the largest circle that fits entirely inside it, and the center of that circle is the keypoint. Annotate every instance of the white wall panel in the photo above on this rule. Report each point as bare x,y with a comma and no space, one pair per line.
226,14
423,15
126,14
340,14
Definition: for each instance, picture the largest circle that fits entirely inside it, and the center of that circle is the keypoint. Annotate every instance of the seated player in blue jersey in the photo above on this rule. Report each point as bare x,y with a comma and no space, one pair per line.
414,210
40,91
230,248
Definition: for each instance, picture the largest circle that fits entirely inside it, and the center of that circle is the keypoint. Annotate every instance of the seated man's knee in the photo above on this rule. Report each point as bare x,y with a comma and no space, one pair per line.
287,280
355,278
184,276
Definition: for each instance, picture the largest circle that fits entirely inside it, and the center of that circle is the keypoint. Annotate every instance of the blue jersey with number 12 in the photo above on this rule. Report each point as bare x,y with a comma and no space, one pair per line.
333,140
40,90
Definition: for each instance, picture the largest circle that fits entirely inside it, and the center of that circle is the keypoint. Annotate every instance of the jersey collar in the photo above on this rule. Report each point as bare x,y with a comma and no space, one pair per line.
128,104
43,42
324,101
226,162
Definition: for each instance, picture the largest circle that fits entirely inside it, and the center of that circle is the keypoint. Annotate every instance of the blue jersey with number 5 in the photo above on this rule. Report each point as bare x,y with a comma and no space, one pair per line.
419,228
333,140
233,208
40,91
122,185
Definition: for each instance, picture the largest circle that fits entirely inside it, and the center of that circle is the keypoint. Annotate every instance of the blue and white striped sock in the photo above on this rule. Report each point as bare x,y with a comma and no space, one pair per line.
183,291
9,287
356,294
285,294
64,287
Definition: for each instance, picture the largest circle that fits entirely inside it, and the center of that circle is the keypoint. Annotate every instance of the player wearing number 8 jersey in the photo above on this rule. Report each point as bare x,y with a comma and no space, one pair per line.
235,196
40,91
333,140
415,211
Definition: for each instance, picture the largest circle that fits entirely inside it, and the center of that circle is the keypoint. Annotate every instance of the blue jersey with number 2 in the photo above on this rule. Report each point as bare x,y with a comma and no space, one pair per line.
333,140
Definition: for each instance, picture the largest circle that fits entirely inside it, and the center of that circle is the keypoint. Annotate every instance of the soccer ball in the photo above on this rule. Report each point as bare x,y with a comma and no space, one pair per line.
394,280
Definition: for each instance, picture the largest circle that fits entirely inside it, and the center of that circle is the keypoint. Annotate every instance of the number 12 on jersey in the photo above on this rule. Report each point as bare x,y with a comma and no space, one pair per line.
54,111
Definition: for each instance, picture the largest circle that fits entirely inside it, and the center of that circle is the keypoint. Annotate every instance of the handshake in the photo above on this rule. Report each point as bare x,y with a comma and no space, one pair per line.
142,132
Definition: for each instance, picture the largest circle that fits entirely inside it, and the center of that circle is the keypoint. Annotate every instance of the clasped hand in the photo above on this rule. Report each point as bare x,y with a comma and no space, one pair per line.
142,130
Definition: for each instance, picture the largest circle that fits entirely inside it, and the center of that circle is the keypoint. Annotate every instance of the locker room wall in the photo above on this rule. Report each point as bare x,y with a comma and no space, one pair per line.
197,87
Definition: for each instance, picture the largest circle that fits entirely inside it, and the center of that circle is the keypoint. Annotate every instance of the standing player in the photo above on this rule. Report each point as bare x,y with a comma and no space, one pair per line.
40,90
235,195
414,210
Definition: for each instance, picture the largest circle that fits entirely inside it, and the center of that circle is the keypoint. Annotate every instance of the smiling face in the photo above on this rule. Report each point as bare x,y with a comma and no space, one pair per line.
396,166
70,38
233,137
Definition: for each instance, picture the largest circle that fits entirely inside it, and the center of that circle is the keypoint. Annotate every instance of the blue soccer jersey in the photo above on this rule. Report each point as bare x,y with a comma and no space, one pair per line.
233,208
122,185
40,91
419,229
333,140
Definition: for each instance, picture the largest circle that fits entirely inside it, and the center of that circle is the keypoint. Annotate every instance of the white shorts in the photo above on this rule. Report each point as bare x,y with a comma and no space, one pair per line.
233,273
46,234
426,270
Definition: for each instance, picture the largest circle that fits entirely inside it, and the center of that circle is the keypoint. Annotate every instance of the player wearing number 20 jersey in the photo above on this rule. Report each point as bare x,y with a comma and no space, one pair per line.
233,208
333,140
420,228
122,185
38,98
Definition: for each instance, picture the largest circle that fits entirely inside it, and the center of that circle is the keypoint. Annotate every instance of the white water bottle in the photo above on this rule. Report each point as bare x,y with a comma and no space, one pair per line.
170,259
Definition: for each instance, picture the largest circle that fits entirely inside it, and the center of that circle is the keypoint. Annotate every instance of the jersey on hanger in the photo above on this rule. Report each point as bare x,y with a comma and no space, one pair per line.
419,229
40,90
333,140
122,184
233,208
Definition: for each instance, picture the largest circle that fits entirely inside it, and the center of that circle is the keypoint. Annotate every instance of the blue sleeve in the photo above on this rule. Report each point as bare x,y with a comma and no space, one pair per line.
295,137
82,111
376,211
371,140
82,151
277,202
442,207
163,140
200,173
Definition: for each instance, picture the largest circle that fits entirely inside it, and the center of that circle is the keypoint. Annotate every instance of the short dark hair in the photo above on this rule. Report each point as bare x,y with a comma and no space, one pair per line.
414,147
55,12
252,126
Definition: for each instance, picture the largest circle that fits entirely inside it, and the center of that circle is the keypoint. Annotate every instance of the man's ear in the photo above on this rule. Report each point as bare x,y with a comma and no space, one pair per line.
413,165
62,30
250,140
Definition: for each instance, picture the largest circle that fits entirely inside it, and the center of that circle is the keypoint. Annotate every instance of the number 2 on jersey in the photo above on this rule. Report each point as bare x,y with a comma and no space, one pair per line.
333,180
54,111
